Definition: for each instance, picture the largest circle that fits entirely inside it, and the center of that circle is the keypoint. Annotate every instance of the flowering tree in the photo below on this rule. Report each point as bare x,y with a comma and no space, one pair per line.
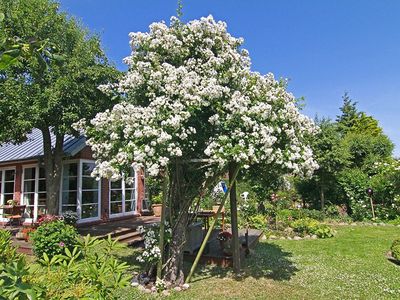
189,94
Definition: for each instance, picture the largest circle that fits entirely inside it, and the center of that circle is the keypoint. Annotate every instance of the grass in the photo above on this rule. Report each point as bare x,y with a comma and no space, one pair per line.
351,265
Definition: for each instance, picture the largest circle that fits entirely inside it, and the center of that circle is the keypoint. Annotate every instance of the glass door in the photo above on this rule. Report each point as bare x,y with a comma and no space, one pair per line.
123,196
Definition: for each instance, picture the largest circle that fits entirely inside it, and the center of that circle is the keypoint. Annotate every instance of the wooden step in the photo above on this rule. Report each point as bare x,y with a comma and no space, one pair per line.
128,235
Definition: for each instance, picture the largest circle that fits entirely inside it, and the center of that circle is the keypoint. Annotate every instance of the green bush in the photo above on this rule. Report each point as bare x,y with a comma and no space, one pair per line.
396,252
395,243
312,213
90,271
310,226
257,222
52,238
8,252
395,221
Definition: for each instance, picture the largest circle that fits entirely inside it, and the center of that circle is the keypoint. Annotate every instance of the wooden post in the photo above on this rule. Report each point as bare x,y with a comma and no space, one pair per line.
213,222
234,222
162,223
372,206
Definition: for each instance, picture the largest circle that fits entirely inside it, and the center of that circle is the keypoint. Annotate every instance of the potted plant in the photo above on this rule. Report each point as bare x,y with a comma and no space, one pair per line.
12,202
225,242
26,232
157,204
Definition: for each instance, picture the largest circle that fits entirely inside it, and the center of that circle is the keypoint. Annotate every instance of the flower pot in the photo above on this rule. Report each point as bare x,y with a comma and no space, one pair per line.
20,235
157,209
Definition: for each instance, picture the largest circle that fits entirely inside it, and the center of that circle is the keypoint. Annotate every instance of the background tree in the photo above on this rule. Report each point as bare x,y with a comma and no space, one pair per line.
331,158
53,97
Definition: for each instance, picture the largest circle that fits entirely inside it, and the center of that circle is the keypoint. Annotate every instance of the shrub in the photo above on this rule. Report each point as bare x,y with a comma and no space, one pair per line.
395,243
257,222
395,221
89,271
8,252
47,219
396,252
53,237
286,216
70,217
310,226
311,213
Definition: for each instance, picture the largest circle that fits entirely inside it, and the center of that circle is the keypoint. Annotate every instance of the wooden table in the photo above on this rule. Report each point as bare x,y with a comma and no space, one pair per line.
16,213
206,215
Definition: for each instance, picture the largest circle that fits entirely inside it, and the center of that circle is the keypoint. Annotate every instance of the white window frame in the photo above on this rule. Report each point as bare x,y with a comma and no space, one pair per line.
80,162
3,174
123,213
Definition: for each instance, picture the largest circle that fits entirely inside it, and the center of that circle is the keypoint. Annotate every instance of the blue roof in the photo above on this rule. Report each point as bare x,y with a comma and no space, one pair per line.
33,147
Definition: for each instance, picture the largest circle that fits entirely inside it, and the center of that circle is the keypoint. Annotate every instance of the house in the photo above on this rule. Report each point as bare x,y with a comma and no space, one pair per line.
22,178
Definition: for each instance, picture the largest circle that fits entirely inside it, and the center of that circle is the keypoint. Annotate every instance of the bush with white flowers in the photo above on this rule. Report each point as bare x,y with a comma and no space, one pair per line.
189,93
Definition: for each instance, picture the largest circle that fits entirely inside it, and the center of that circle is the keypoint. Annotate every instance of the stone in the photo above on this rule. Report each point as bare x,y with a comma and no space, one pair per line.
353,224
263,237
185,286
166,293
289,238
272,237
307,237
147,291
141,288
314,237
282,238
297,238
153,289
134,284
177,289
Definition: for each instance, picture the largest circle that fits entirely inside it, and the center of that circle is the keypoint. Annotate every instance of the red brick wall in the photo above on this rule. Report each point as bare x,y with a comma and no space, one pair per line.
105,214
85,153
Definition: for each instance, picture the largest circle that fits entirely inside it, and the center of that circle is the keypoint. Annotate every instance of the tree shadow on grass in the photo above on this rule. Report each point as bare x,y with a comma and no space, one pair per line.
267,261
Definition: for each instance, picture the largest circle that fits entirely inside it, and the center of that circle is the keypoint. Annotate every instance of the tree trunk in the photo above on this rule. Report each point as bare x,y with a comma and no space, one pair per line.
174,268
322,197
234,221
179,204
53,165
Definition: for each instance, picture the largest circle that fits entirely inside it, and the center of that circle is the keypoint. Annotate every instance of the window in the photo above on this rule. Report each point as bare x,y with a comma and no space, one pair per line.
34,191
8,185
80,192
69,187
29,190
90,192
123,196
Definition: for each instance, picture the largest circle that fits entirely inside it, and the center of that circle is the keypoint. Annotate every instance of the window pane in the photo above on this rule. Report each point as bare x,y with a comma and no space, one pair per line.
9,187
87,168
29,186
90,211
89,183
29,173
71,170
130,206
116,184
69,198
70,183
42,185
9,176
29,199
42,199
8,197
116,207
42,173
116,196
69,208
90,197
129,195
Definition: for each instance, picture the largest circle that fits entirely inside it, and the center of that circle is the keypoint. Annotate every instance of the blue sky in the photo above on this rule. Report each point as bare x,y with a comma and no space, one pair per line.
324,47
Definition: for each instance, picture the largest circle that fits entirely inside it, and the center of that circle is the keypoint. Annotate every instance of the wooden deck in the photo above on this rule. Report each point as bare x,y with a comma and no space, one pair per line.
215,256
117,226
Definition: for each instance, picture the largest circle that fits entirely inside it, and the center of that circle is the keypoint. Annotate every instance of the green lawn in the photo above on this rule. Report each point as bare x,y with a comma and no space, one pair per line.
351,265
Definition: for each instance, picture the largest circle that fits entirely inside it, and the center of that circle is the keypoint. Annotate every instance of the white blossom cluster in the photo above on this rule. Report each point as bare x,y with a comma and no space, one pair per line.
151,253
189,93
